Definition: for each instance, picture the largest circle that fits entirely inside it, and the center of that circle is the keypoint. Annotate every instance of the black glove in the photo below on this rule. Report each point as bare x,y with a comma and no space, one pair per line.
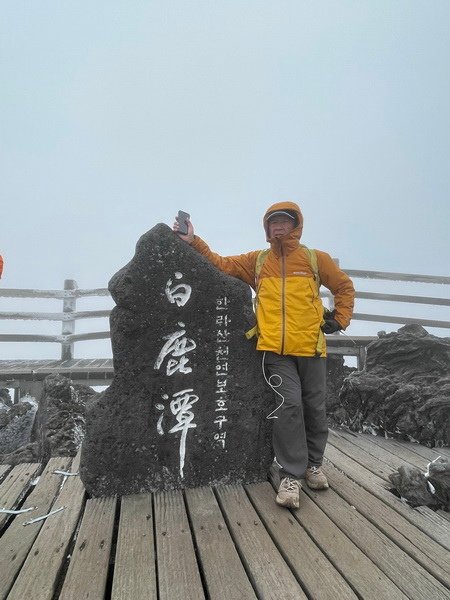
330,325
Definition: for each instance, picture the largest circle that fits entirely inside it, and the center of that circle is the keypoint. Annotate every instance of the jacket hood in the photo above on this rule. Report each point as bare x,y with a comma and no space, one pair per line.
294,236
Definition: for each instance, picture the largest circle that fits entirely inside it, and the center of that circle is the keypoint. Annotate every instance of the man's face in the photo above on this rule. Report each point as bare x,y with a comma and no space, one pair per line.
280,226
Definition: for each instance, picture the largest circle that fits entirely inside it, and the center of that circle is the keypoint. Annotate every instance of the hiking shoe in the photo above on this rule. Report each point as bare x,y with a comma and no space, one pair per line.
315,479
288,493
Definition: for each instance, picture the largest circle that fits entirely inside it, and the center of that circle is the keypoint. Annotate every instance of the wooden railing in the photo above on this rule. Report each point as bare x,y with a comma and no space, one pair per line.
355,274
67,317
70,315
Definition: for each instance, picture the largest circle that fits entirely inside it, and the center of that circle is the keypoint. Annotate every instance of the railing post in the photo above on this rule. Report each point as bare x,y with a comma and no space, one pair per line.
68,326
361,358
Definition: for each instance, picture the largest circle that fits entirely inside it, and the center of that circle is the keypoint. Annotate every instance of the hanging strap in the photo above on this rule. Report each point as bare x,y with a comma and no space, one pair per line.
258,266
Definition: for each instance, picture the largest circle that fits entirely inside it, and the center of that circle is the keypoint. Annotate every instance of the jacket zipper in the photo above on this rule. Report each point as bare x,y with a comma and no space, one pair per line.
283,299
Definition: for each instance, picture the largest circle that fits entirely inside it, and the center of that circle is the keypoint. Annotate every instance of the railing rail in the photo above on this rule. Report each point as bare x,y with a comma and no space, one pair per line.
397,276
71,293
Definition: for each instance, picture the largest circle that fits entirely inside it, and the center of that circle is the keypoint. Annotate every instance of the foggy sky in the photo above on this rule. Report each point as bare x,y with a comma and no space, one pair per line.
116,114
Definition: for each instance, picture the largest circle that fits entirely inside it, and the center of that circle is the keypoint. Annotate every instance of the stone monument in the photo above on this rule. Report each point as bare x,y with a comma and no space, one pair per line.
188,403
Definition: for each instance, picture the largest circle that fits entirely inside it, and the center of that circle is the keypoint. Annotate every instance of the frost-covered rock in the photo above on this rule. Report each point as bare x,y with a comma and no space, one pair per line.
337,371
60,421
16,423
424,489
405,388
53,426
5,398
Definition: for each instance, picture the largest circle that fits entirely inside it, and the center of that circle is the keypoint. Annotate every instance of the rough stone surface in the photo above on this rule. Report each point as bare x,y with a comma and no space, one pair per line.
337,371
16,423
411,485
146,432
405,389
25,454
60,421
5,397
439,477
52,426
424,489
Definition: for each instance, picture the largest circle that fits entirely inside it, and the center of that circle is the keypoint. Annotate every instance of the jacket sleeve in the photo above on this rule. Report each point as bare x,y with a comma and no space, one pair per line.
340,285
241,266
1,265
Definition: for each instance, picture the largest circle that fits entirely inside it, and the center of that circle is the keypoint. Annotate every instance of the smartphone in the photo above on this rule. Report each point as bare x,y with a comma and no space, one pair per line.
182,219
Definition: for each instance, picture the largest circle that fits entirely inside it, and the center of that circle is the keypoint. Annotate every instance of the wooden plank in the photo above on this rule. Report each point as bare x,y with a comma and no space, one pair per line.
222,569
3,470
88,569
97,335
435,516
377,487
368,581
401,298
360,341
25,337
85,364
405,572
76,337
94,292
397,276
54,316
69,363
97,362
270,575
443,451
42,368
400,320
410,453
39,574
412,540
364,458
15,485
68,325
17,539
444,515
178,573
319,577
134,571
364,442
406,449
29,293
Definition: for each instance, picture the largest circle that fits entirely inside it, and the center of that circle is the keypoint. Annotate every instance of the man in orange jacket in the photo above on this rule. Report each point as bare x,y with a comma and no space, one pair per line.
291,323
1,265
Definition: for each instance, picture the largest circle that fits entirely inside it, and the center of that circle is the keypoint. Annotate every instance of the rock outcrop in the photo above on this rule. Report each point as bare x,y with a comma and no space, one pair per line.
5,398
52,426
337,371
405,389
60,421
16,423
424,489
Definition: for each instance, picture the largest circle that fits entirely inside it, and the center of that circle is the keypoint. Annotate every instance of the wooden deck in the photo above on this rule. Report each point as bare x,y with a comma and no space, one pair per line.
355,540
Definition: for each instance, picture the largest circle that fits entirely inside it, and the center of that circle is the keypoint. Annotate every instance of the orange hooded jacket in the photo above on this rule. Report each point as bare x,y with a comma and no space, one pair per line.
289,311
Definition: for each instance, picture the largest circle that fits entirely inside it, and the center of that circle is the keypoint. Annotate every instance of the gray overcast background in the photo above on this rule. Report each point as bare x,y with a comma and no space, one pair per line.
116,114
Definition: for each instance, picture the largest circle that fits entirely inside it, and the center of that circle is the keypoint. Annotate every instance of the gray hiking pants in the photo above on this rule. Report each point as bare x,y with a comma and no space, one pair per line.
301,430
